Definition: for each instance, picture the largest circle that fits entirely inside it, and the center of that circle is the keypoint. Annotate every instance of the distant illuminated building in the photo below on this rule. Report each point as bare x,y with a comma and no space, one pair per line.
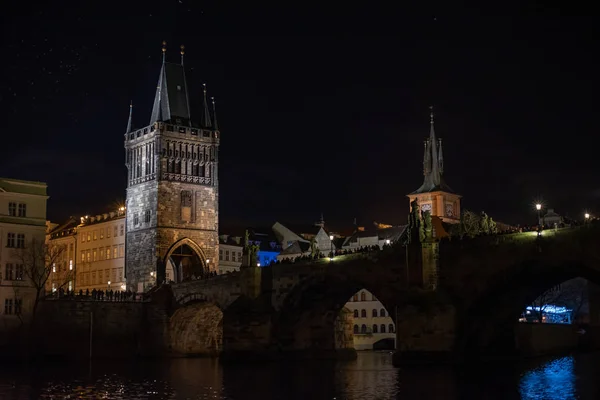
435,195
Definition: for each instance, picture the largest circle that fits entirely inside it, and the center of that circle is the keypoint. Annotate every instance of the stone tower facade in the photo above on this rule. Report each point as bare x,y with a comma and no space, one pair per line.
435,195
172,206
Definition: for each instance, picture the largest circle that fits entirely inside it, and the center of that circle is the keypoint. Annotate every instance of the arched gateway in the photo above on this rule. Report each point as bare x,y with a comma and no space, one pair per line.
185,261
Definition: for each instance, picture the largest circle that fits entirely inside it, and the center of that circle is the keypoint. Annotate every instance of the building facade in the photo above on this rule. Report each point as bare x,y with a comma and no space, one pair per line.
63,274
373,327
22,225
172,187
435,195
230,256
101,252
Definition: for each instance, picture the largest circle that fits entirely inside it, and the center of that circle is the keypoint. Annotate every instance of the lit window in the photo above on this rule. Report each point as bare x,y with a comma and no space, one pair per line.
101,233
115,252
95,235
108,233
108,253
54,267
89,237
70,265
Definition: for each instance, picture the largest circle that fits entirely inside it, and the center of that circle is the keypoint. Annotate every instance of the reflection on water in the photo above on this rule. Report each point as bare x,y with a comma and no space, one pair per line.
371,376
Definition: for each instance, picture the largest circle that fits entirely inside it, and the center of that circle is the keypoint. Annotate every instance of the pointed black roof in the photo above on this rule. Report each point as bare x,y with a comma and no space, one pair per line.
433,164
171,99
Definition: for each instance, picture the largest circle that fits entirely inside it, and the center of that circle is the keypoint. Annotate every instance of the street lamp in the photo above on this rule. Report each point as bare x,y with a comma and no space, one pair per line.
108,285
387,241
587,216
538,207
331,241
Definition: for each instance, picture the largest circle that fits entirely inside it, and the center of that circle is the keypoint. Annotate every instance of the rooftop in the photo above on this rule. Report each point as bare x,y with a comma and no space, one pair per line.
23,187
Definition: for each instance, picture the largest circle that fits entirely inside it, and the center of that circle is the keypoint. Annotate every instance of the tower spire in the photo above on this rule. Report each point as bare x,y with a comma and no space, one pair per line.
187,100
215,124
440,157
206,114
435,175
171,101
129,120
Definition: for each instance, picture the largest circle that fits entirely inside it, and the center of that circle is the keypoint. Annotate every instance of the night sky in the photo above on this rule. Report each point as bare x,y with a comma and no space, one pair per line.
320,110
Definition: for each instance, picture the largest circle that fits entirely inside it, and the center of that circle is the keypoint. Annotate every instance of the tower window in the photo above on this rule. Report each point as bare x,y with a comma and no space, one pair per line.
147,216
186,206
136,219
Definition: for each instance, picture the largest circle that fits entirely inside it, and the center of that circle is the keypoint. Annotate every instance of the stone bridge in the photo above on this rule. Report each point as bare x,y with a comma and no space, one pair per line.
480,287
483,284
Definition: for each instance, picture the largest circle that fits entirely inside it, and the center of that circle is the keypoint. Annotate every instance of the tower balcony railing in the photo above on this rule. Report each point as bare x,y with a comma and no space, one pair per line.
168,176
142,179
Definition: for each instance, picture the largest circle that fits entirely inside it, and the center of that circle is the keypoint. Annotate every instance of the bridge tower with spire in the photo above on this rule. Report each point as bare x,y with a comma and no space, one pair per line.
172,186
435,195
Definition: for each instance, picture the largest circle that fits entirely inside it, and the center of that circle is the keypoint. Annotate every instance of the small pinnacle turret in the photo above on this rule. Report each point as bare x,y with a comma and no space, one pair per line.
215,124
129,120
205,122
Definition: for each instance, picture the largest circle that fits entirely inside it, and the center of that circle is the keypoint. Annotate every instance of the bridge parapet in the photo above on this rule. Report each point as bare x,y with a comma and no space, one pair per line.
469,267
222,290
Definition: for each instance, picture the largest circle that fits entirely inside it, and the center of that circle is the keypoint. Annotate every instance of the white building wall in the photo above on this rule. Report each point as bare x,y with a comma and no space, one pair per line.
230,258
16,228
362,305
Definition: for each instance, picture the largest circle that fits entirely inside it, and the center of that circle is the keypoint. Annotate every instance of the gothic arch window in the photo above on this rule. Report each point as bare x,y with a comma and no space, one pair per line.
363,328
391,328
374,312
363,313
355,314
178,167
382,312
363,296
374,328
355,328
382,328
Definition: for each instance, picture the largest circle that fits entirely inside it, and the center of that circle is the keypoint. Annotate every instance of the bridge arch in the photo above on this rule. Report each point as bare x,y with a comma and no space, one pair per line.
185,260
307,319
486,328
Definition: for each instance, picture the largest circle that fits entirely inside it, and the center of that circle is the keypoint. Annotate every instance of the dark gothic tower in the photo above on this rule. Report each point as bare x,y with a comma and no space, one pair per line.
172,187
434,195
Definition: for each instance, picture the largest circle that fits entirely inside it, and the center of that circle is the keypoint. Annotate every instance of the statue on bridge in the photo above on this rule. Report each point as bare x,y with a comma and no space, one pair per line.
249,253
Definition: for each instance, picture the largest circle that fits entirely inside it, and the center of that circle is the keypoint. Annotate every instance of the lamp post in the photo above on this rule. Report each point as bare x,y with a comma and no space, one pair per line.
538,207
331,241
108,285
587,218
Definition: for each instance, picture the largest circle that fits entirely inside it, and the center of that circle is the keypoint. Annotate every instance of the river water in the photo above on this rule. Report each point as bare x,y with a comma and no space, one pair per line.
371,376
